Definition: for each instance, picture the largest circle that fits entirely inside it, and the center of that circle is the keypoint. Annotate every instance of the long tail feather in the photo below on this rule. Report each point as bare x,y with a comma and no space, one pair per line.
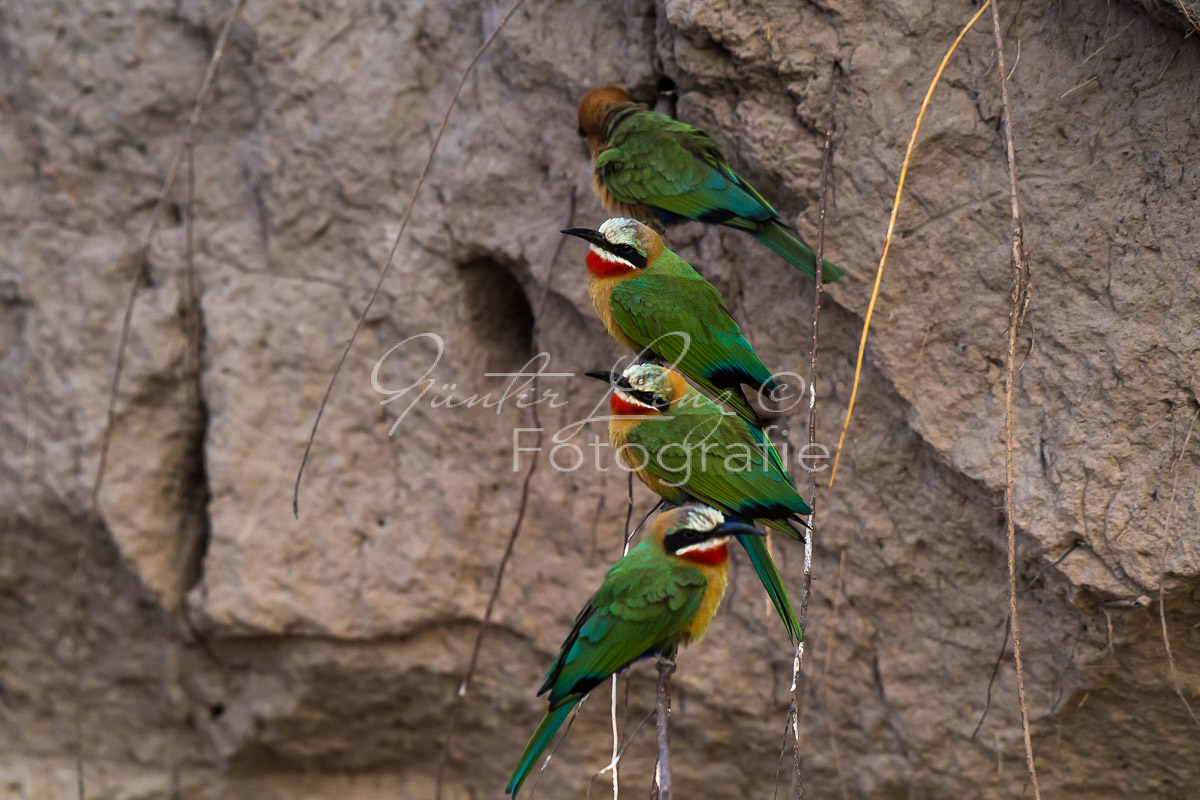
772,581
781,240
786,527
537,744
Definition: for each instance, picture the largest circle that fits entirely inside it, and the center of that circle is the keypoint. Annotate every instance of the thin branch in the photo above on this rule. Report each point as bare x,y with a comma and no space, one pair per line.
1020,298
830,640
557,744
1162,608
806,581
387,267
626,535
792,718
464,687
987,701
887,241
625,743
139,277
661,790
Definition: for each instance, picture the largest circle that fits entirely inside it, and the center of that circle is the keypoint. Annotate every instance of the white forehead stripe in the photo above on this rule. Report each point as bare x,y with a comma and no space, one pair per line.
642,375
703,518
620,230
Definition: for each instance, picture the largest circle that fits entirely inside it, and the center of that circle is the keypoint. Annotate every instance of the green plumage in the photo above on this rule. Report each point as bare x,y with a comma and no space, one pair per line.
720,460
723,461
646,603
669,298
679,171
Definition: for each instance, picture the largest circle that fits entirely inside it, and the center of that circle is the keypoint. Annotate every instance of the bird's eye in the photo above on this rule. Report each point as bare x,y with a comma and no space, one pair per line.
582,134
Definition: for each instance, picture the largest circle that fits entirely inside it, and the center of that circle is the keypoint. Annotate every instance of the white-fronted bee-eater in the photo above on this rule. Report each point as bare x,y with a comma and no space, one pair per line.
661,595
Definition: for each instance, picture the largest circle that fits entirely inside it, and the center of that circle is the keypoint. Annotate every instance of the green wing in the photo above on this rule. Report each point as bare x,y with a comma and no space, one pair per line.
643,604
720,460
652,310
659,161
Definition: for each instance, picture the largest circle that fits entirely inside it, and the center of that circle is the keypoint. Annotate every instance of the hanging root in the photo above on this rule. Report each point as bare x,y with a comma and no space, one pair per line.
1020,298
75,614
387,267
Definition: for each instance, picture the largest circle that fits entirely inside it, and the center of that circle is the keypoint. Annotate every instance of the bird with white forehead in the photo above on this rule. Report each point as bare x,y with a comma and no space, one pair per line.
686,448
655,303
661,595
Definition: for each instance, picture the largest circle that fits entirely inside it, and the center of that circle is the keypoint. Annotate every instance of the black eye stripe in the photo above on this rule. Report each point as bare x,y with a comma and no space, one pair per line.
627,252
674,542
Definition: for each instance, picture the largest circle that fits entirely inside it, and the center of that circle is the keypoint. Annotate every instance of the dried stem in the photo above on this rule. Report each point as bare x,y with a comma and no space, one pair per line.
139,277
887,241
661,789
830,639
387,267
1019,297
793,713
465,686
626,535
1162,608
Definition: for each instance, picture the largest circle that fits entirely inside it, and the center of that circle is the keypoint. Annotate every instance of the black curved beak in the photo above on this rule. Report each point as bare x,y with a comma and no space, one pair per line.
735,528
588,235
611,378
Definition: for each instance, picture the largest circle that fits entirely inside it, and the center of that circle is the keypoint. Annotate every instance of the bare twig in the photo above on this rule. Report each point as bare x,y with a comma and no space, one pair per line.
987,702
616,751
1162,608
387,267
661,790
626,742
464,687
830,640
806,580
1078,87
887,241
554,750
139,277
1019,297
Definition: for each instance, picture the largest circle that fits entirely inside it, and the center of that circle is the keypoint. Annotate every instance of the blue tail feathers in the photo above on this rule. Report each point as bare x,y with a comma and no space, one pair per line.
538,742
772,581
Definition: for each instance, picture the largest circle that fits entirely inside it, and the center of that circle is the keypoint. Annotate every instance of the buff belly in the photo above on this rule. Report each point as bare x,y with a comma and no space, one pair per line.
718,577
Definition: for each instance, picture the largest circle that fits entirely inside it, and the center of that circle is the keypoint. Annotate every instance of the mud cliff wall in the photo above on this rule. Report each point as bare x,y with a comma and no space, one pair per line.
233,651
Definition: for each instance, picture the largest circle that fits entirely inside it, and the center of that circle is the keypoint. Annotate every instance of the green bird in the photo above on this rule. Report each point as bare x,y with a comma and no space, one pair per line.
686,448
661,595
652,301
650,166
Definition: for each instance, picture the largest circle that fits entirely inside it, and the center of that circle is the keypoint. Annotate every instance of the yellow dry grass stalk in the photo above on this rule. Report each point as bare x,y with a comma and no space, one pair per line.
887,241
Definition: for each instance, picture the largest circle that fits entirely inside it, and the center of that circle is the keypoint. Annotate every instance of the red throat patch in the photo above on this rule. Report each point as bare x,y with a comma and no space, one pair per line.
711,556
603,265
620,407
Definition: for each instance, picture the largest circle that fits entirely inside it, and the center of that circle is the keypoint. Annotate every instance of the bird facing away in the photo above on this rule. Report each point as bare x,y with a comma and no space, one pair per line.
652,301
684,447
661,595
650,166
